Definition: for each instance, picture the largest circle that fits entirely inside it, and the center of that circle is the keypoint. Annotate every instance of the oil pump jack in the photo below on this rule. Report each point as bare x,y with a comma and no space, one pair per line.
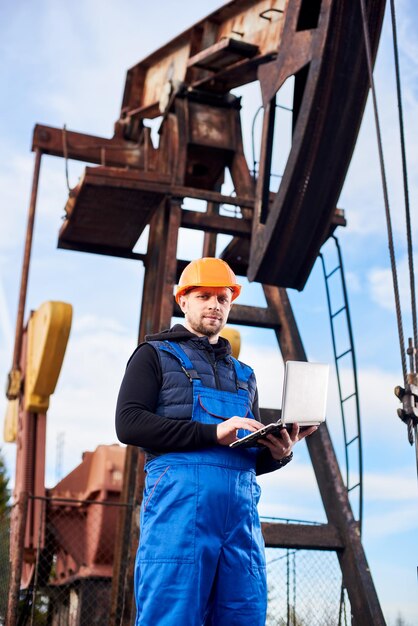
276,235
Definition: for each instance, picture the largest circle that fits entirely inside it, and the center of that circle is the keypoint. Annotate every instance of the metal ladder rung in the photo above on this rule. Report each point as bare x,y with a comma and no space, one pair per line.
339,267
352,440
348,397
333,272
343,308
343,354
281,106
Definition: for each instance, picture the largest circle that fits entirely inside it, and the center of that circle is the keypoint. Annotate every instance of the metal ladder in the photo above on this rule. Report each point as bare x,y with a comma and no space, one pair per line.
353,426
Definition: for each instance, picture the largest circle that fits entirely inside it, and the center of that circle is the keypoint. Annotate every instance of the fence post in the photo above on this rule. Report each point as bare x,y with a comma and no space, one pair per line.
18,525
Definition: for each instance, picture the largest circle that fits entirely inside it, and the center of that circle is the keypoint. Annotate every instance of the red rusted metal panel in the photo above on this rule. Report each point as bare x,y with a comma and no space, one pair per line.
109,208
81,526
256,24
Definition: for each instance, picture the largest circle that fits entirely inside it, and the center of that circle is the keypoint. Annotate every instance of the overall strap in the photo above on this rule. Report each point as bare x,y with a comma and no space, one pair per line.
243,373
186,364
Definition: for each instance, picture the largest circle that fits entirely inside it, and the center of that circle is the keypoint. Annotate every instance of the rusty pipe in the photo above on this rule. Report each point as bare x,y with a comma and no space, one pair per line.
12,393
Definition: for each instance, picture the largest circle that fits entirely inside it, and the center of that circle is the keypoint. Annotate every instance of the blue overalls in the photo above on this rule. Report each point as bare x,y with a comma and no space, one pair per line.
201,555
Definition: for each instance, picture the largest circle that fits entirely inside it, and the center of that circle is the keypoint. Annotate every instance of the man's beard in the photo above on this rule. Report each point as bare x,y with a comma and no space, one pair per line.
208,330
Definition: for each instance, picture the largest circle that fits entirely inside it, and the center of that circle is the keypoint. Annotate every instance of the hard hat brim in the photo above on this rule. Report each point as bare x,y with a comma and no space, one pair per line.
181,291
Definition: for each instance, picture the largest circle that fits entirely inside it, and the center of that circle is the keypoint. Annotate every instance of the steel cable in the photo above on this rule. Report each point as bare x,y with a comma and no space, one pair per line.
405,183
385,192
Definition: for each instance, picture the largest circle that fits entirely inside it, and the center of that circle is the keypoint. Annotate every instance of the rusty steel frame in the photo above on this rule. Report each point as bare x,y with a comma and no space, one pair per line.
313,41
201,124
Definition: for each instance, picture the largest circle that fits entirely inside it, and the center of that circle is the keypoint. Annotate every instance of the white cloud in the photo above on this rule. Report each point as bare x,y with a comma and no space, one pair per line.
395,486
362,195
15,198
402,519
353,282
397,599
6,327
381,285
407,41
88,323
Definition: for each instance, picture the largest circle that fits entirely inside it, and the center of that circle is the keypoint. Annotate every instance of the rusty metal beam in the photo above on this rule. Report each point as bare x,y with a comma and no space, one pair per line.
168,262
122,576
127,532
262,199
82,147
13,389
178,191
356,572
209,239
215,223
156,312
257,317
222,54
302,536
104,250
87,147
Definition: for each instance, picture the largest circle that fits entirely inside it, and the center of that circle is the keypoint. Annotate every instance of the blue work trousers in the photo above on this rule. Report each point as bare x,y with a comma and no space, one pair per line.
201,555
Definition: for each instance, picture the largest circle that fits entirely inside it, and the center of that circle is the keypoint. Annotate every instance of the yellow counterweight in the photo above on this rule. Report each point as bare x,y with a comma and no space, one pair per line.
48,332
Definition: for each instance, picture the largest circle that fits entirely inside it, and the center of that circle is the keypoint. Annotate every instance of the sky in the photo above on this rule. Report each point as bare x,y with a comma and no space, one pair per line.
65,63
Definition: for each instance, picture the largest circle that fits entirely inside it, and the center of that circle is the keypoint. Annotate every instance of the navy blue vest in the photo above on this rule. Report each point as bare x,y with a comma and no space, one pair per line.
176,395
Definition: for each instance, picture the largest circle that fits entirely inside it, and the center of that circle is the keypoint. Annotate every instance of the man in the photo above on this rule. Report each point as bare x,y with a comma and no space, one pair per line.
183,399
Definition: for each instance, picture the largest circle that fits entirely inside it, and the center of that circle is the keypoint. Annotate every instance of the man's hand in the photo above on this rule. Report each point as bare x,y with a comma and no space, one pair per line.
280,447
227,431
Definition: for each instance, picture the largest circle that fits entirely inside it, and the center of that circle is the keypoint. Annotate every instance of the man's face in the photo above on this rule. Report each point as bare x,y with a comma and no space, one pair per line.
206,310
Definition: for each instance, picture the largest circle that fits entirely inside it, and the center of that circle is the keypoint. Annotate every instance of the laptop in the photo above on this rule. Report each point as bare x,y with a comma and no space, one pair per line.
305,390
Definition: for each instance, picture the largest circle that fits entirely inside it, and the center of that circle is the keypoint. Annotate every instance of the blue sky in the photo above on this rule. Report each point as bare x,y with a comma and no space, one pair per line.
65,63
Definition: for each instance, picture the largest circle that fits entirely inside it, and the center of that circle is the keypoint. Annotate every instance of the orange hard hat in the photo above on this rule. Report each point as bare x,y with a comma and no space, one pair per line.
207,272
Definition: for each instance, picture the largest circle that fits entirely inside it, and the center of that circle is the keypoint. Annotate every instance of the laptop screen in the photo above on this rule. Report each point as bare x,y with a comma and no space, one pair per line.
305,391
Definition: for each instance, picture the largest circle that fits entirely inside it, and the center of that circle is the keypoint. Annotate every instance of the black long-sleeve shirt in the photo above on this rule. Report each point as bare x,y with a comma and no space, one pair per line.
137,423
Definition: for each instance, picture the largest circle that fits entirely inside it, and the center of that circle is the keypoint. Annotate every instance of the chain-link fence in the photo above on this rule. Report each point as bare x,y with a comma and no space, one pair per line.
68,574
70,570
4,565
304,589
